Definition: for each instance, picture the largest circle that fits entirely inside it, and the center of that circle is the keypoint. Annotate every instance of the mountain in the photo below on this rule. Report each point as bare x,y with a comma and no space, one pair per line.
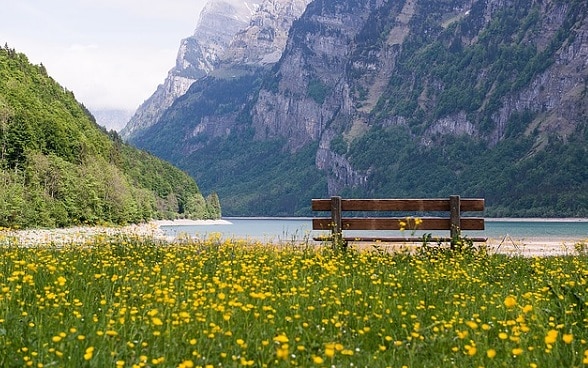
112,119
59,168
198,55
397,99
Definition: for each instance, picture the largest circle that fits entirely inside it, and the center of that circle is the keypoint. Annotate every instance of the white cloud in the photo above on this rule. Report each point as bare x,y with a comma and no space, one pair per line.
110,53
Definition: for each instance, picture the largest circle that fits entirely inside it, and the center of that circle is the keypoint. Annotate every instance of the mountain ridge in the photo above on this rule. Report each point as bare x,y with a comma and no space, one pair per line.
398,99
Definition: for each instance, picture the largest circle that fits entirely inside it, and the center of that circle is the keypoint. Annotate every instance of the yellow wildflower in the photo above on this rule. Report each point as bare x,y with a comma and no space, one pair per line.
551,336
89,353
517,351
567,338
317,360
510,301
281,338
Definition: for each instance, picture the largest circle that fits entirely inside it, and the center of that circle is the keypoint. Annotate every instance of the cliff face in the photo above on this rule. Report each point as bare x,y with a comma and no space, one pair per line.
229,33
386,97
198,55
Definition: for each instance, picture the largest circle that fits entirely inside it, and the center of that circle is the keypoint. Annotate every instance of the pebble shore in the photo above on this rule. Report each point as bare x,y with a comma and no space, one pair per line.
523,247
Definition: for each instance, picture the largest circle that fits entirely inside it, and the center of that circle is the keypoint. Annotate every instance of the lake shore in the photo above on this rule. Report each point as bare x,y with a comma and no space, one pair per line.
82,234
529,247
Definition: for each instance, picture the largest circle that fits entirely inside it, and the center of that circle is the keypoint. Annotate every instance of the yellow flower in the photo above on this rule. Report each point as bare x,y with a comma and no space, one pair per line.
567,338
551,336
502,336
510,301
491,353
281,338
527,308
517,351
472,351
462,334
282,352
317,360
89,353
187,364
330,352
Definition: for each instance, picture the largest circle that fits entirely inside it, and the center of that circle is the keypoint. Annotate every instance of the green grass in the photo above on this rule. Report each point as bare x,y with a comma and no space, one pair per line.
136,303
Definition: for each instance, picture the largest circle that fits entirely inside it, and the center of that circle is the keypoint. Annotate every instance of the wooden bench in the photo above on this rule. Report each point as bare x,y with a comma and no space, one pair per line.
452,221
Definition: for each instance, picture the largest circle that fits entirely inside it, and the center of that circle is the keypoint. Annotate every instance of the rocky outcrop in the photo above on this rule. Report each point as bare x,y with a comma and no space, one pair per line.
557,95
264,39
310,86
198,55
230,34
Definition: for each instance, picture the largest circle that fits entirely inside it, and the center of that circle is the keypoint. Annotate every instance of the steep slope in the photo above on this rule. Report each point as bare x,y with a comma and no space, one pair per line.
198,55
400,98
231,37
60,168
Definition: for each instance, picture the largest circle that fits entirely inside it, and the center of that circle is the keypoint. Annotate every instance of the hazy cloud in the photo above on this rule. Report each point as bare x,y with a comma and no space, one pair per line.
110,53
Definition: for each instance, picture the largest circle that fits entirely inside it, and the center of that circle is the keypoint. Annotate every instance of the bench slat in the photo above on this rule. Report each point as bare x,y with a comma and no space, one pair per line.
426,204
411,239
393,223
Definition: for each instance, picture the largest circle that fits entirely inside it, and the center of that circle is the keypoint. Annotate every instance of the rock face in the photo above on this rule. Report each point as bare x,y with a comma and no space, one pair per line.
368,86
263,40
229,33
198,55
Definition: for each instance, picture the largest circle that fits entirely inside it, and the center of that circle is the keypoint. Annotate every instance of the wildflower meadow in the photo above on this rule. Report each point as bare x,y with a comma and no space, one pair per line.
136,302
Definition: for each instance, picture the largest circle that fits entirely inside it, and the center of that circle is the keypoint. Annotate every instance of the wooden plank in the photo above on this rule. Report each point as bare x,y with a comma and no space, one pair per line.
399,239
394,223
423,205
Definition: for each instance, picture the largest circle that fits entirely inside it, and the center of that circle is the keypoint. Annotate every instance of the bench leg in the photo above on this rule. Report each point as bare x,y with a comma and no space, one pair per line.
455,219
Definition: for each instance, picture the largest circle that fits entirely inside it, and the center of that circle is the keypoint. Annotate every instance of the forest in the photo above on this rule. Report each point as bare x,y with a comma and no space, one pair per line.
59,168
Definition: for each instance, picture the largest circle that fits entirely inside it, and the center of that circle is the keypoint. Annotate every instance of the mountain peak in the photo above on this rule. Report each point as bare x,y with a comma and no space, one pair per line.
228,33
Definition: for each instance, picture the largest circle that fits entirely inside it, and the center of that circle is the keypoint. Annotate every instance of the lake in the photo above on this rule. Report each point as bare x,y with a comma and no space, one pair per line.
297,229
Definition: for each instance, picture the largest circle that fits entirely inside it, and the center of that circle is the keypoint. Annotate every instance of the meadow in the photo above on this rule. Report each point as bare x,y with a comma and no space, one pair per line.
127,301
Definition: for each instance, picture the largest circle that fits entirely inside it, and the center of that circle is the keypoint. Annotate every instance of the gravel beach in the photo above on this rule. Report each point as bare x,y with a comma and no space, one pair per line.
513,246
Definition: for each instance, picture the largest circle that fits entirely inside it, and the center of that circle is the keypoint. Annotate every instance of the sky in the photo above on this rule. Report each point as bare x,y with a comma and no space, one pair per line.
112,54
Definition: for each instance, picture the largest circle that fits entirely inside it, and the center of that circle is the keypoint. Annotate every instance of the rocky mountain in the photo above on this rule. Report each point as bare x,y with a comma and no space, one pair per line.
112,119
198,55
59,168
397,98
229,33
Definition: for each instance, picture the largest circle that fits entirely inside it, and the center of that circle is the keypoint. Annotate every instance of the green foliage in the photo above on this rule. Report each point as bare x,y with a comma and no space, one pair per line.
550,182
256,177
339,145
317,91
59,168
470,78
121,301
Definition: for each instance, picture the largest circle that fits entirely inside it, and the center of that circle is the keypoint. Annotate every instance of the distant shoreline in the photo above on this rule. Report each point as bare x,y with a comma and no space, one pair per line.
188,222
536,219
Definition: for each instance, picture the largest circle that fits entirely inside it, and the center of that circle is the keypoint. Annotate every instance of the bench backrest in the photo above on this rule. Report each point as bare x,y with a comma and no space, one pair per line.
454,205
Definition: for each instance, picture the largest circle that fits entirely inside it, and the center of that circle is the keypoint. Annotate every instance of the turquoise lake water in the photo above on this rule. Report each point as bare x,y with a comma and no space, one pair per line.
287,229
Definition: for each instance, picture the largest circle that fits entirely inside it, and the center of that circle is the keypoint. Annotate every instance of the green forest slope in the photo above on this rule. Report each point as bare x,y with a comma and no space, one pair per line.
59,168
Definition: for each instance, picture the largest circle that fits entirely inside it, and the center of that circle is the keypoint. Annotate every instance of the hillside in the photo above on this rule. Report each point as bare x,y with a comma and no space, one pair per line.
59,168
397,99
